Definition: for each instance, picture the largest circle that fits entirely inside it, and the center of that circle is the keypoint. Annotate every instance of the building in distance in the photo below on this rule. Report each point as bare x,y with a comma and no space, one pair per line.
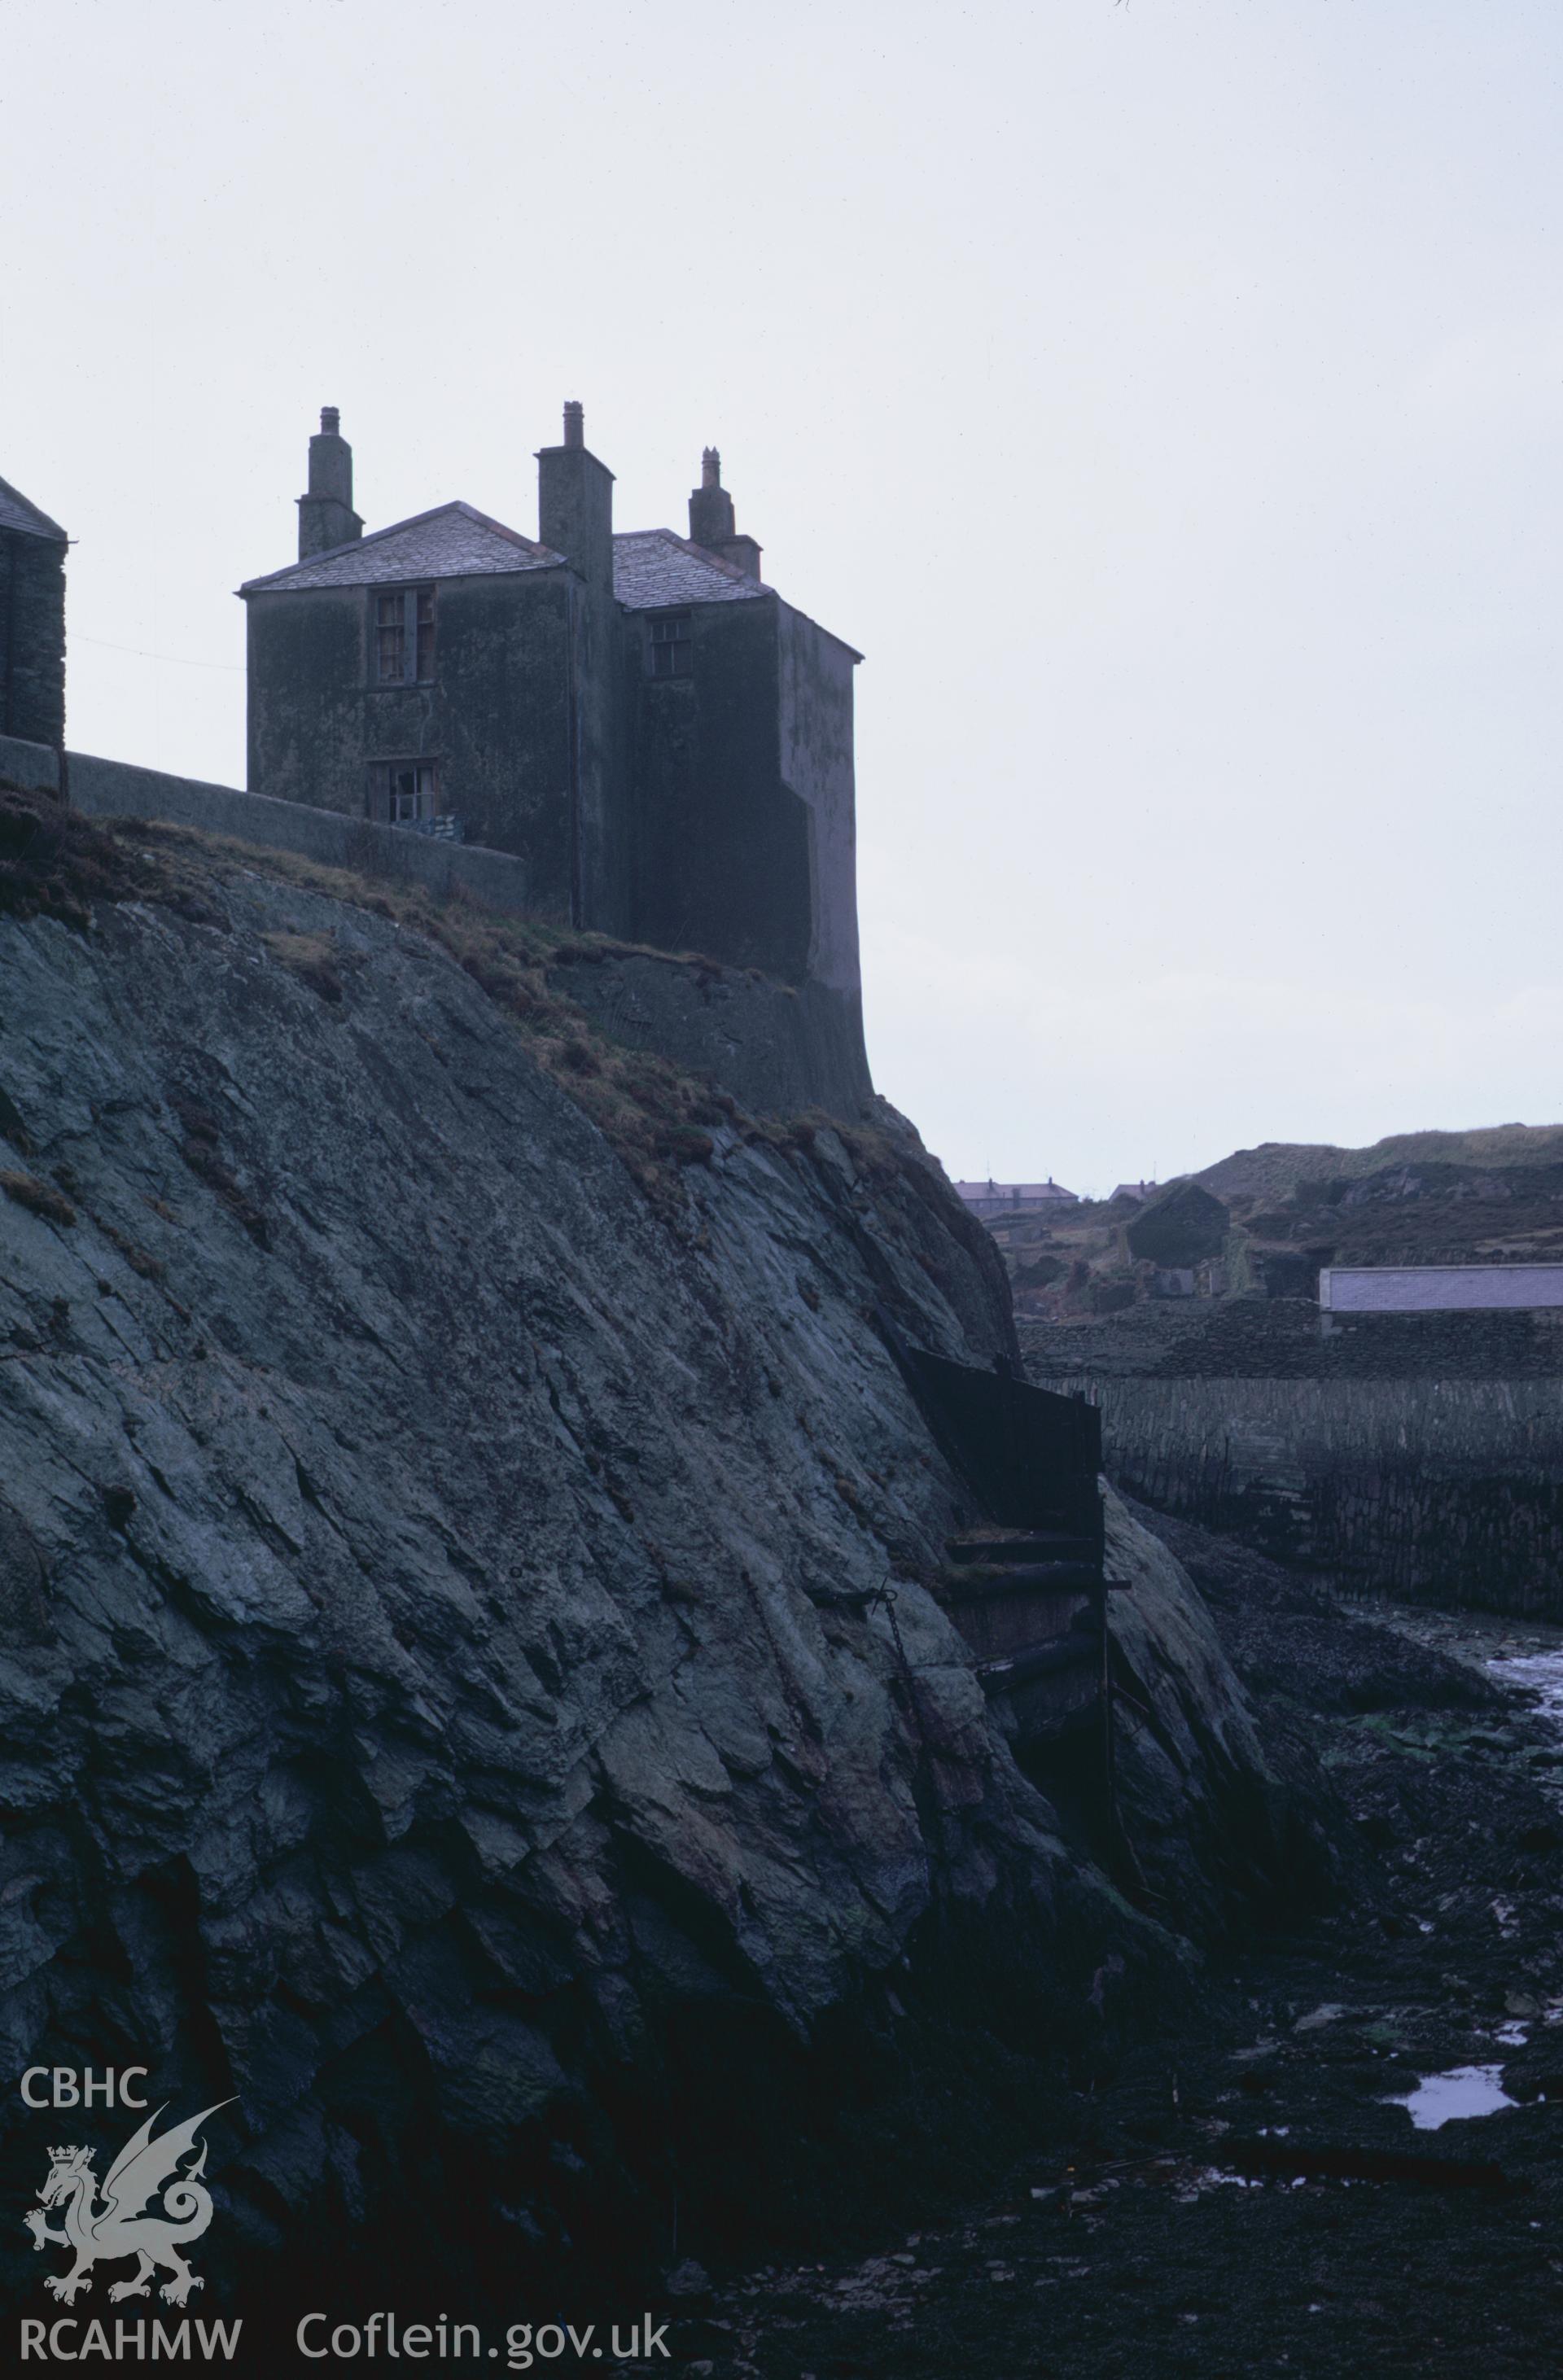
1440,1289
988,1199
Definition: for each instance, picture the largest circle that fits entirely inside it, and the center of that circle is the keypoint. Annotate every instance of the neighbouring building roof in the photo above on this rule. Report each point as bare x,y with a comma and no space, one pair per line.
652,567
1000,1197
1439,1288
453,541
17,512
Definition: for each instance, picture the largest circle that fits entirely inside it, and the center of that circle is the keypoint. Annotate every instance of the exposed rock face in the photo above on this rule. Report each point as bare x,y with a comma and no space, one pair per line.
440,1643
1212,1815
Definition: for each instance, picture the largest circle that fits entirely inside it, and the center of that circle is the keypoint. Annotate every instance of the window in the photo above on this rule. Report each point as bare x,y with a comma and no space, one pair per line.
401,793
671,649
404,636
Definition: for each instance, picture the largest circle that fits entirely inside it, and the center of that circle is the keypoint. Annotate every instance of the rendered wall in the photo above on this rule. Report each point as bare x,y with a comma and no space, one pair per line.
31,638
496,717
816,764
721,842
307,663
605,876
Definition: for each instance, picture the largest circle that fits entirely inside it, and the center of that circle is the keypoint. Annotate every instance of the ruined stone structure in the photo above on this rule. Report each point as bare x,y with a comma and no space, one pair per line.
33,552
662,740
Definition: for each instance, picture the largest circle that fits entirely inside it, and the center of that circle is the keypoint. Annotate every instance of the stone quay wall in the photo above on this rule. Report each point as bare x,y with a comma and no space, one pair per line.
1444,1492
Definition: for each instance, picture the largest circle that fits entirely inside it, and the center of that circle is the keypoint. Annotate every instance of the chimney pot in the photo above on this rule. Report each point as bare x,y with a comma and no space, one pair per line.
326,517
575,504
713,523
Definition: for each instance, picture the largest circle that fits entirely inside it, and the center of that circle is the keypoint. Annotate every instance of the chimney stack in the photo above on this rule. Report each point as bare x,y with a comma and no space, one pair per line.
712,522
325,515
575,502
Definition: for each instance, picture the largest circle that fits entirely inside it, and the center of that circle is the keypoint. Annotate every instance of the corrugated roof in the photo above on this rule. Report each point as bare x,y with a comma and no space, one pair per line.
452,541
653,569
17,512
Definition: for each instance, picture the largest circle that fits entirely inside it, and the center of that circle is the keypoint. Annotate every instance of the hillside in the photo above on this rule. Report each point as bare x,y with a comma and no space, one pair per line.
1279,1166
1219,1273
449,1475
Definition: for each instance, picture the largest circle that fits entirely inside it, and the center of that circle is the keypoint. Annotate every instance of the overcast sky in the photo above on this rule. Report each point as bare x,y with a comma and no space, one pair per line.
1165,397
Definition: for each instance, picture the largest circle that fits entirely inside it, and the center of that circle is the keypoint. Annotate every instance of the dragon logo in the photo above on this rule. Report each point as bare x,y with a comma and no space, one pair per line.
101,2231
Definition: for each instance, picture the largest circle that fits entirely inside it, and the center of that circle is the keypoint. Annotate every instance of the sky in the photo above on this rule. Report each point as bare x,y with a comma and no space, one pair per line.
1165,397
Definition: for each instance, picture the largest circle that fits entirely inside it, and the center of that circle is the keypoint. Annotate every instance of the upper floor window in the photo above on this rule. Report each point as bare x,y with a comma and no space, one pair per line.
404,636
671,649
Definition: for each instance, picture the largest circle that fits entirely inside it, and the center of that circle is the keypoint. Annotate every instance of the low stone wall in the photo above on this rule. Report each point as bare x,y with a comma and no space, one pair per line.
1435,1491
117,789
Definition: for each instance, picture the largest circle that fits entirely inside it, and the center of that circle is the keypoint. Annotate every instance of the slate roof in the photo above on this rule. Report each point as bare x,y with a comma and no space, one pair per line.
452,541
652,567
17,512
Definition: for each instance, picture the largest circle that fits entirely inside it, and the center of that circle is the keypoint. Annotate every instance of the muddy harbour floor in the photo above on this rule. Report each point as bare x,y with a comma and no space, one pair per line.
1356,2164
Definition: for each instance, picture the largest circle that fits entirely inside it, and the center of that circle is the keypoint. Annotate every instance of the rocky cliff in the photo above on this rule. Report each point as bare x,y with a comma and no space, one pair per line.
447,1488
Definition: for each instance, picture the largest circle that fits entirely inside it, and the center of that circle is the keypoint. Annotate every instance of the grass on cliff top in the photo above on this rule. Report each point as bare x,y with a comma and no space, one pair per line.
56,863
1279,1167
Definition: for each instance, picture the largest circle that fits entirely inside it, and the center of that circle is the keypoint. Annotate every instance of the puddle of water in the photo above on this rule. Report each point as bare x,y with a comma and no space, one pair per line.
1543,1672
1441,2099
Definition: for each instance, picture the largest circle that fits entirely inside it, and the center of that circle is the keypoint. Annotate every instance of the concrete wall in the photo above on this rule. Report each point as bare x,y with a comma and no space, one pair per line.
31,638
496,718
1436,1491
115,789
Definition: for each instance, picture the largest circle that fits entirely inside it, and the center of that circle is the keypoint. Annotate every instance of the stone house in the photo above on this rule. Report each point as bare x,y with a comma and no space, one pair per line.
33,552
662,740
